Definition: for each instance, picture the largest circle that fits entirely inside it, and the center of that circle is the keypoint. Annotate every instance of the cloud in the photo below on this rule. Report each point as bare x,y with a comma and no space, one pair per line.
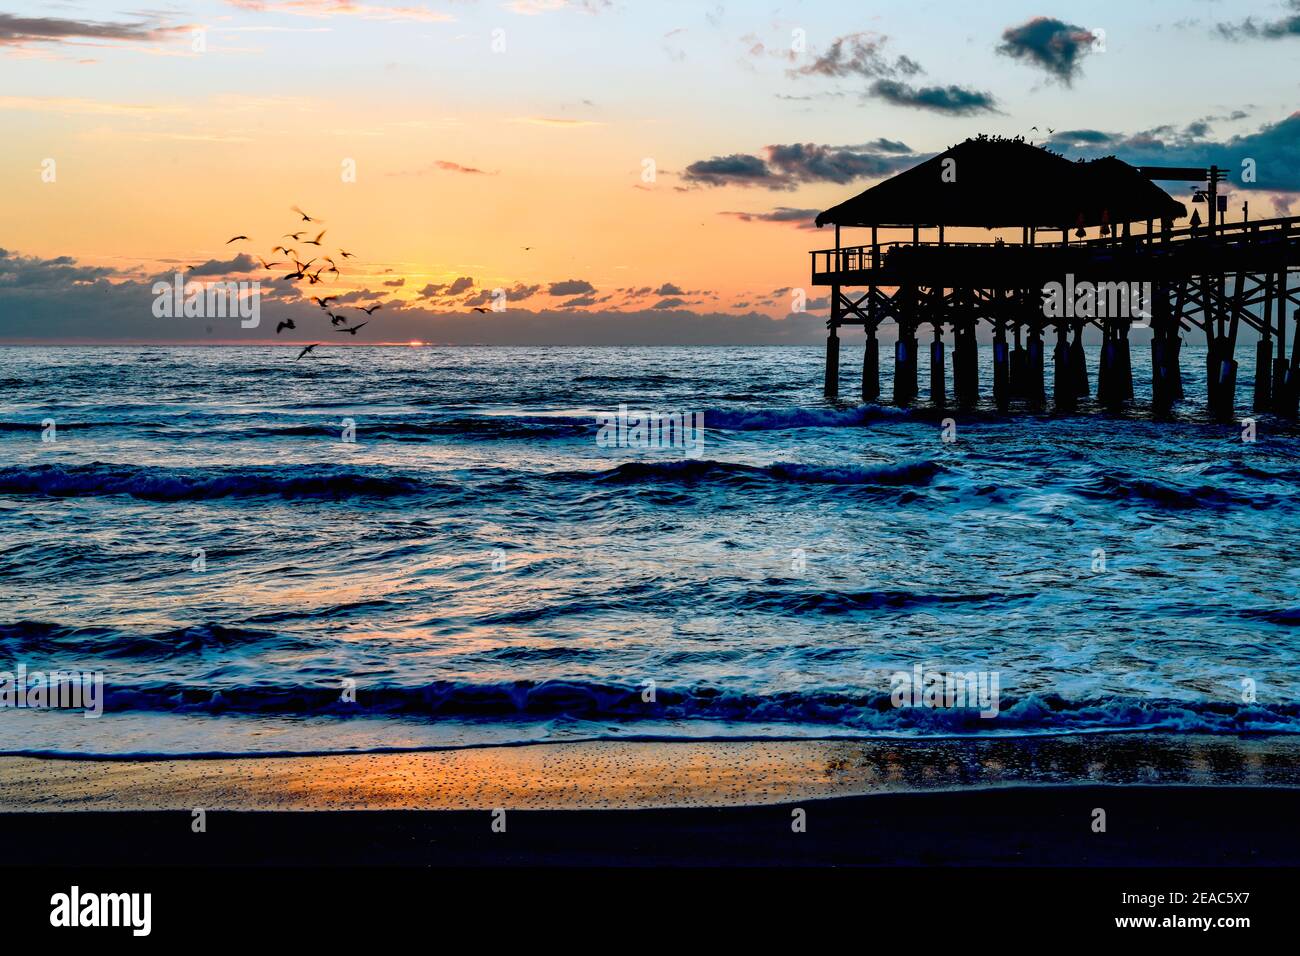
859,54
343,8
1274,149
446,166
668,289
1050,44
803,218
395,283
570,287
456,287
788,166
672,302
953,100
1249,29
21,31
216,267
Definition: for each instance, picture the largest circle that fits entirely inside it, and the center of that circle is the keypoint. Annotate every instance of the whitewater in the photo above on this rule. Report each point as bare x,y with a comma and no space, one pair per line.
483,571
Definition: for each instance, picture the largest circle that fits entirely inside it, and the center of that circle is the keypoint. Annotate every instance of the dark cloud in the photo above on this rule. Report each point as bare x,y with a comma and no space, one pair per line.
803,218
395,283
31,272
1050,44
953,100
668,289
673,302
1274,148
19,31
570,287
1250,29
216,267
462,284
788,166
60,300
859,54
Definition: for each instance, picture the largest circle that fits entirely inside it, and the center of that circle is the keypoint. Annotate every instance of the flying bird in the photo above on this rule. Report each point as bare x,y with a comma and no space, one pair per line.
337,319
325,301
236,238
353,330
370,309
306,350
345,254
295,236
316,241
305,217
267,265
286,324
479,308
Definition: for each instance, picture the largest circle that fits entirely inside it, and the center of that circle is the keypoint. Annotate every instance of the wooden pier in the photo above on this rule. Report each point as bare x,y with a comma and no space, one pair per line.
1041,292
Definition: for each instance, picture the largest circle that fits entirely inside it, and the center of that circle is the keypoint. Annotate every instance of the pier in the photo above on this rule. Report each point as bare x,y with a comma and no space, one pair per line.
1099,245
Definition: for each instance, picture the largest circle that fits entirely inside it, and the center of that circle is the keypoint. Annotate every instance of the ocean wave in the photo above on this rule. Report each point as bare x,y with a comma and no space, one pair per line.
43,637
190,484
867,713
725,472
777,419
1170,494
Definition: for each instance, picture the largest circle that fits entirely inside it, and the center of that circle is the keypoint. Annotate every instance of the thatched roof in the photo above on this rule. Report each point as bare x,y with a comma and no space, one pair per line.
1007,182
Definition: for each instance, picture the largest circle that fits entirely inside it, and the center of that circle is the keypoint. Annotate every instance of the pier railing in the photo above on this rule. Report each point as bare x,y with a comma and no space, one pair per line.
850,264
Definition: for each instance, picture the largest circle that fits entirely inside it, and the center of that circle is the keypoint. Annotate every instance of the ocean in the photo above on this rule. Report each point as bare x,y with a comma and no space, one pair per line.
481,565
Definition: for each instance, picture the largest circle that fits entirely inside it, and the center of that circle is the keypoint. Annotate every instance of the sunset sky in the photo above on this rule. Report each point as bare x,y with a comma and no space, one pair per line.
477,129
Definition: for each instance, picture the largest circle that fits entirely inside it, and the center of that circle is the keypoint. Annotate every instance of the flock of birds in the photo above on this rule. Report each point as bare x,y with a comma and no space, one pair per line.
301,272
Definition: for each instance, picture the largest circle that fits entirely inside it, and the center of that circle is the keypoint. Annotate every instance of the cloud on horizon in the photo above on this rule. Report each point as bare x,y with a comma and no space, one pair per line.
53,300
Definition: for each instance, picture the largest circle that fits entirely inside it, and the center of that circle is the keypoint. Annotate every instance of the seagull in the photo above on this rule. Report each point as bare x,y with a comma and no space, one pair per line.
370,309
325,301
528,248
286,324
236,238
267,265
314,242
305,217
1050,131
333,268
479,308
295,236
306,350
337,319
345,254
354,328
285,249
314,277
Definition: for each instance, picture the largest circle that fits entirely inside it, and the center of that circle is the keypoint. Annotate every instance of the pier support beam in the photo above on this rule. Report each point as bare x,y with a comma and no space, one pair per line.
1001,369
1079,364
905,367
1035,385
832,389
938,385
1263,375
1064,399
965,365
871,367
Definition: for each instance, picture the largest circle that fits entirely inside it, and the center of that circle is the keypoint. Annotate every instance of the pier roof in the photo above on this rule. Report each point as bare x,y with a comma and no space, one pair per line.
996,182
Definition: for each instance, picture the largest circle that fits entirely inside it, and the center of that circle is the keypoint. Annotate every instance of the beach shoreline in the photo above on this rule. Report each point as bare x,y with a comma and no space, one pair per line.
1165,801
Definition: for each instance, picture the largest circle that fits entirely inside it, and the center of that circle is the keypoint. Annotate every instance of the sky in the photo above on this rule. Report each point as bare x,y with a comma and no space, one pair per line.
623,172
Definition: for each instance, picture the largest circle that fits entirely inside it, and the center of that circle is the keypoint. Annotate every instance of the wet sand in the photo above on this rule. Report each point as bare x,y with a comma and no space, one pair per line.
641,775
1168,801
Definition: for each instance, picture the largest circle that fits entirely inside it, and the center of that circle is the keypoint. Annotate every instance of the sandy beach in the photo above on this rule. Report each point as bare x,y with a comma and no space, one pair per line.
641,803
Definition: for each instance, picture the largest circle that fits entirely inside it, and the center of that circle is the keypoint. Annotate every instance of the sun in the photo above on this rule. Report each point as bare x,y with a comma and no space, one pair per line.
415,343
